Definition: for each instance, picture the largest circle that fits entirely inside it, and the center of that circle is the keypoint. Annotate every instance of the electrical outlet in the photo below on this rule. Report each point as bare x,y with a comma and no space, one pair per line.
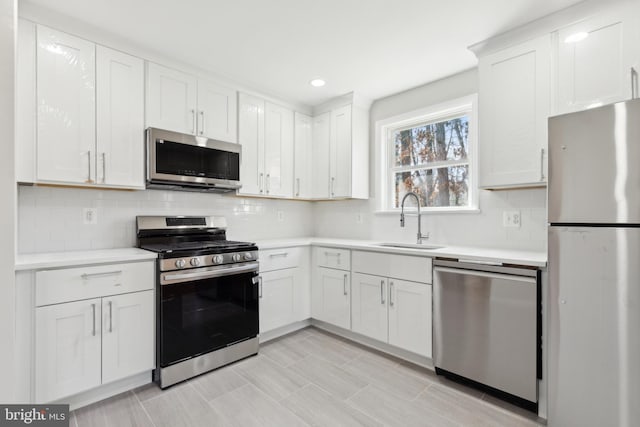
90,216
280,215
511,219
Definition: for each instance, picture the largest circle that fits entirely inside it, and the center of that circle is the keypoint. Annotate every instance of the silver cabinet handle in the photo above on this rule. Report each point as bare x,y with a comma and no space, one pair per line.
391,294
86,276
298,187
202,124
259,286
282,254
89,181
194,126
268,183
344,285
93,314
542,164
634,83
104,167
332,253
332,182
382,292
260,181
110,316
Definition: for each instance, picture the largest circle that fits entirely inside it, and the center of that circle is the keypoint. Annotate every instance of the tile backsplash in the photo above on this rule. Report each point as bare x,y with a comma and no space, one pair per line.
51,219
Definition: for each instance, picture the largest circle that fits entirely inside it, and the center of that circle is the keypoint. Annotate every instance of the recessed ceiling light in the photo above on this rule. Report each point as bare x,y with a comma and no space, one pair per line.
576,37
317,82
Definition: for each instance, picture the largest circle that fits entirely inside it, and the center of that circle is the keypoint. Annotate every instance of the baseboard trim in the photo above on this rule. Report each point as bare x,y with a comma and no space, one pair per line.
283,330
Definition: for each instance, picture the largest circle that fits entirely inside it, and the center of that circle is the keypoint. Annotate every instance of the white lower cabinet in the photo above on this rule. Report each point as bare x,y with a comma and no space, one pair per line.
331,296
369,307
410,316
80,345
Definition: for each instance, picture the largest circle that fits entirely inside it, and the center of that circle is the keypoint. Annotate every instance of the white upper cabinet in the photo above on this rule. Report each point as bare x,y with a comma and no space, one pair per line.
303,164
340,153
217,106
321,142
514,106
265,131
180,102
595,60
120,124
171,99
66,108
26,102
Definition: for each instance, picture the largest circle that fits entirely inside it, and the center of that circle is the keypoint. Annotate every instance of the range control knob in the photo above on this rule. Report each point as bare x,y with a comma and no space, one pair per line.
217,259
236,258
248,256
194,262
180,263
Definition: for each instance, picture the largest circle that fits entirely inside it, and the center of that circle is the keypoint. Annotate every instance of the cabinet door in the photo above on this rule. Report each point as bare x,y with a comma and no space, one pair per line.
302,161
514,106
217,112
340,149
128,329
596,70
251,137
278,298
171,99
278,151
369,306
410,316
321,146
66,108
26,102
331,300
120,118
68,349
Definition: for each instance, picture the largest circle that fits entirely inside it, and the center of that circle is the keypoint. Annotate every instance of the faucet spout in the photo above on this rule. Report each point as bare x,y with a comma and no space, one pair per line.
420,236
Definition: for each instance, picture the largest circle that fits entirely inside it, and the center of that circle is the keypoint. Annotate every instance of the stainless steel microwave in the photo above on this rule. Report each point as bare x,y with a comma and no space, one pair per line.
186,162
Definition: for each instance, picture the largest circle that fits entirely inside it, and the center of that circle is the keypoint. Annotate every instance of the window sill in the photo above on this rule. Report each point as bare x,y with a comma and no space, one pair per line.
411,210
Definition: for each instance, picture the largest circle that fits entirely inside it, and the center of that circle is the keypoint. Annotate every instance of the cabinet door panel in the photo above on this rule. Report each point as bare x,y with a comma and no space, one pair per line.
217,112
171,99
514,86
321,147
340,160
278,151
331,299
279,299
410,316
128,328
302,162
26,102
369,306
251,137
68,349
66,107
120,118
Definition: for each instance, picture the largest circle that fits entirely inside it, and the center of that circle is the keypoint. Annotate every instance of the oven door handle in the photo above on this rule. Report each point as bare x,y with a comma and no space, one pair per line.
170,278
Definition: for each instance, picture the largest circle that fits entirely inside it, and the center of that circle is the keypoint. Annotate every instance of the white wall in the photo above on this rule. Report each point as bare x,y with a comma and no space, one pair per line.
50,218
7,195
484,228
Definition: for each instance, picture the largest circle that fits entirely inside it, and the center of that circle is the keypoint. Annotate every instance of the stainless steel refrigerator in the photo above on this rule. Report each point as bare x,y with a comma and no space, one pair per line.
594,267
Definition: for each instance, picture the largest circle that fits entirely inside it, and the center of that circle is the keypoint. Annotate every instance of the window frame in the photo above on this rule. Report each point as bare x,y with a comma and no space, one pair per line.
466,105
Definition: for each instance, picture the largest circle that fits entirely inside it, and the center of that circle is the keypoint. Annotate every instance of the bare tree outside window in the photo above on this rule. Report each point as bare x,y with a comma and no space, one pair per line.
432,160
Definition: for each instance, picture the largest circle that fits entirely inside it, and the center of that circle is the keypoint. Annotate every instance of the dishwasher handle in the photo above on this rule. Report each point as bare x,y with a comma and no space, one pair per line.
497,275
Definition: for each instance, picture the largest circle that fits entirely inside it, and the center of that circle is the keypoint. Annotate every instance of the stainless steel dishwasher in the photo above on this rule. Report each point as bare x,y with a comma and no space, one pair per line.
486,326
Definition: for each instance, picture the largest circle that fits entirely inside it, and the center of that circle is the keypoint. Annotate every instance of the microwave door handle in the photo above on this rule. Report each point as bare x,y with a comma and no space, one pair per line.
172,277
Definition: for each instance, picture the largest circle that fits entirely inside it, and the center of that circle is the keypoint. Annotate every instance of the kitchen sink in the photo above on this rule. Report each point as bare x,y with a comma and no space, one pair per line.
408,246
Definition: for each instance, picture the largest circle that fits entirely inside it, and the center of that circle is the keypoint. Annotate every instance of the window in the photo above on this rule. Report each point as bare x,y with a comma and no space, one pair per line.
432,153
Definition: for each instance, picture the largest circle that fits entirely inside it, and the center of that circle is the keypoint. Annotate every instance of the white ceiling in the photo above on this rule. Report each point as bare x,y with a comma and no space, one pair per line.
373,47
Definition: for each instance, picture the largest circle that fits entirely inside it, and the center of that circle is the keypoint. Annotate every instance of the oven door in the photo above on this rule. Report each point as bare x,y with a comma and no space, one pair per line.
206,309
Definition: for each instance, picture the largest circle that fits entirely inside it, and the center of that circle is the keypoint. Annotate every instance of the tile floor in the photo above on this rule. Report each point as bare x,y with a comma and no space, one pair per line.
308,378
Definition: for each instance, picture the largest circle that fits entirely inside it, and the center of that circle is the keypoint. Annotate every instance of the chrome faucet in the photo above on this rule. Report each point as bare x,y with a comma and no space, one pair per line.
421,237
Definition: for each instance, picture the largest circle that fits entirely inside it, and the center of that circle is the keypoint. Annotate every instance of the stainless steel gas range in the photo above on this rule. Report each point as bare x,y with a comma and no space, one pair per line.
207,295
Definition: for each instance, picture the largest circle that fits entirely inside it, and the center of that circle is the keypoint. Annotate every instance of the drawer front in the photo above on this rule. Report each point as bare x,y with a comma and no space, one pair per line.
403,267
279,259
333,258
72,284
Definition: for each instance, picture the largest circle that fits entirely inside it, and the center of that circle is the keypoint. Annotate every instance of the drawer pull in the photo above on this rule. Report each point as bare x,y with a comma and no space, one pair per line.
86,276
278,254
332,253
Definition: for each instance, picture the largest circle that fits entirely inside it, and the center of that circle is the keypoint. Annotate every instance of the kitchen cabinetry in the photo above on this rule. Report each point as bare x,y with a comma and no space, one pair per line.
597,59
89,113
180,102
391,300
321,145
93,325
284,287
303,164
513,111
266,135
331,286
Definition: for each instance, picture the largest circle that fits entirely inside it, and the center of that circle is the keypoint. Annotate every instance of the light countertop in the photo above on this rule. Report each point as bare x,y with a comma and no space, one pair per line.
76,258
